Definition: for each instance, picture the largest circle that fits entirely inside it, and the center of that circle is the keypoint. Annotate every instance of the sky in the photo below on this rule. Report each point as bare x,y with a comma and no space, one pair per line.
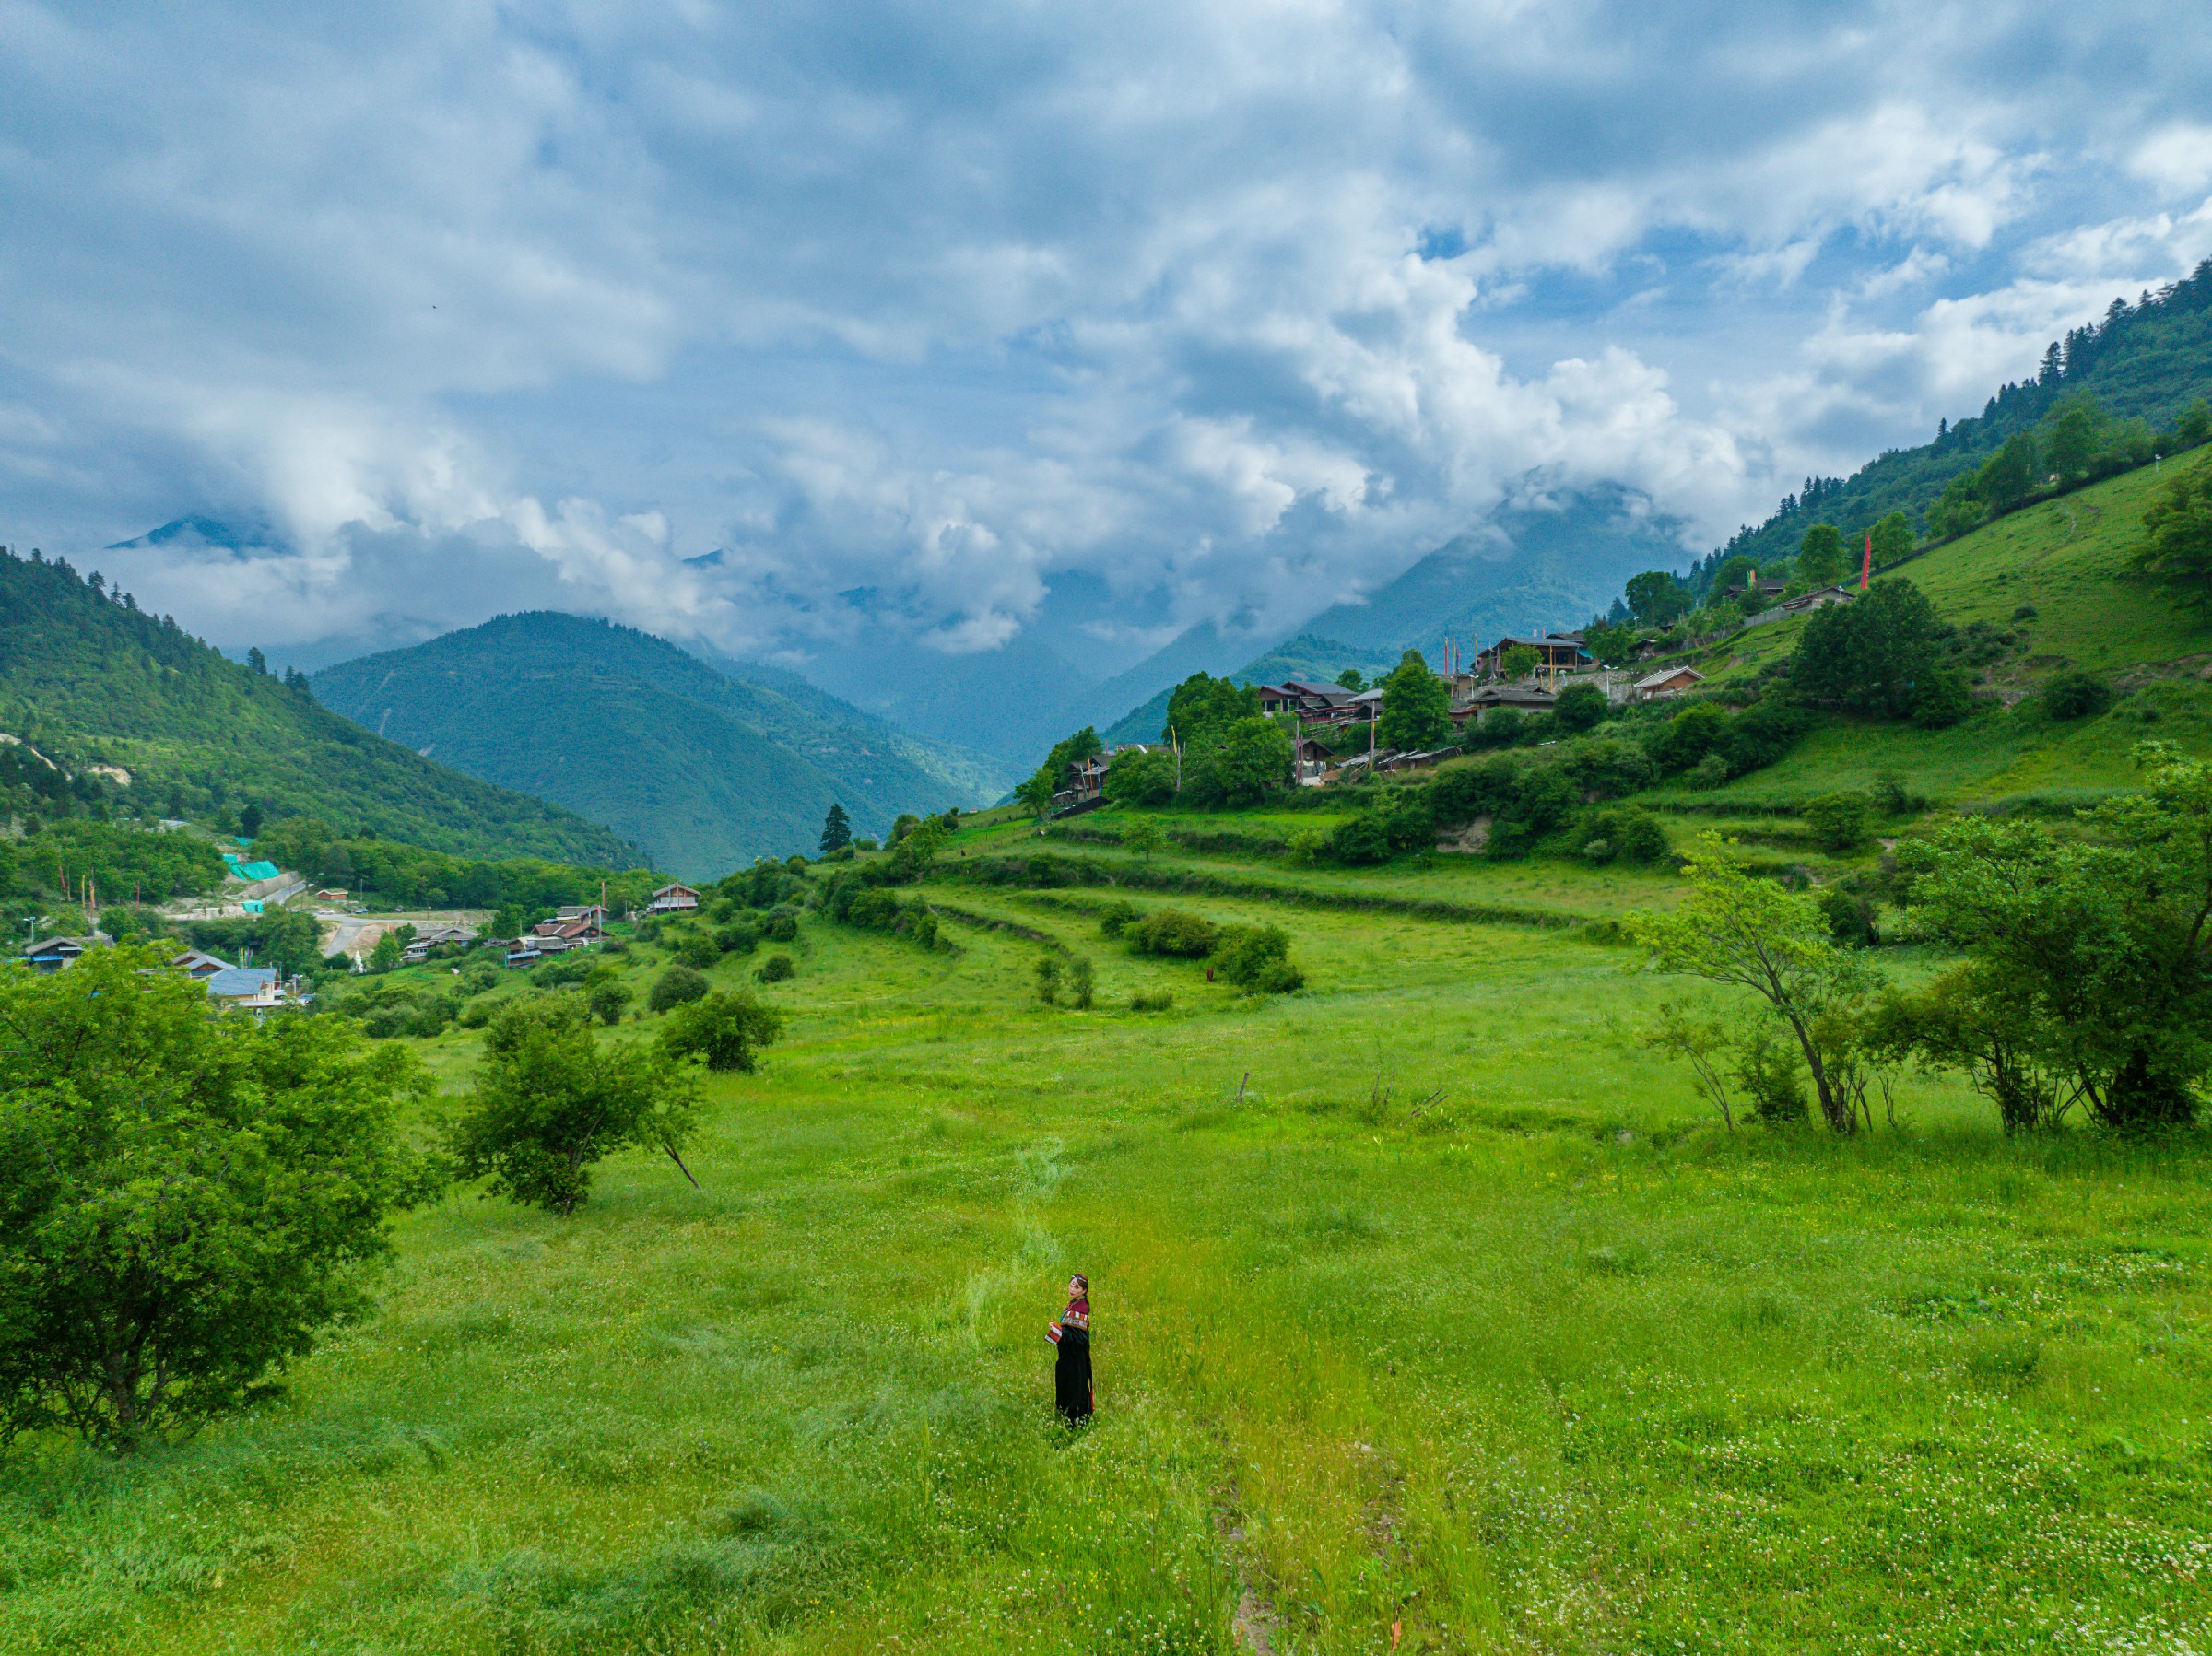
1004,317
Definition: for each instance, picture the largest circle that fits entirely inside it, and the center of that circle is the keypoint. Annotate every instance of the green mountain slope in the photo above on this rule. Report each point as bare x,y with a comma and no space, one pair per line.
2043,589
704,770
2146,362
92,677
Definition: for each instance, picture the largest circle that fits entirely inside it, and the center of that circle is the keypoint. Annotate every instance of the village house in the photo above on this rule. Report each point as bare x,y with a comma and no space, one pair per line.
1486,700
54,952
1307,700
1556,652
198,963
1821,599
673,900
1667,682
253,989
430,937
1765,586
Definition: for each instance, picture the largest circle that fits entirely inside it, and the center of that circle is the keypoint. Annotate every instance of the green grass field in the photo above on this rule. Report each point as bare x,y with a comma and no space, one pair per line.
1466,1321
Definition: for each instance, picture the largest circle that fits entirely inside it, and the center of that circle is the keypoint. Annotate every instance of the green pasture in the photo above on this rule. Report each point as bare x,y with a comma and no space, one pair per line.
1466,1329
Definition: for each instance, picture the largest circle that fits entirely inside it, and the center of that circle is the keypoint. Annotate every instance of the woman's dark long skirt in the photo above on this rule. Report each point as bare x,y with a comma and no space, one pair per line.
1071,1376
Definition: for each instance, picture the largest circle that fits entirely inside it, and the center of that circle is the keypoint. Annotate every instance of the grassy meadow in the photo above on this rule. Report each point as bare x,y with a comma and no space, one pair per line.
1465,1327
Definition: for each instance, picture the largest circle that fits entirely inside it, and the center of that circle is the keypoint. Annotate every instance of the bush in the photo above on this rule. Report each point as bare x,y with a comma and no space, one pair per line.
1157,1000
562,970
1115,916
2075,694
739,937
1360,842
476,1014
1624,834
775,969
697,950
1048,980
1941,700
1838,820
1688,736
608,1001
1708,772
1174,932
675,987
1580,708
1768,1069
780,926
1850,916
1141,779
1082,984
1244,953
724,1031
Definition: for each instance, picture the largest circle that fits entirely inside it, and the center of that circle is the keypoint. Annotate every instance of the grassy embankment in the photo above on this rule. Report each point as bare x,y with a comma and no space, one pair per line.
1466,1320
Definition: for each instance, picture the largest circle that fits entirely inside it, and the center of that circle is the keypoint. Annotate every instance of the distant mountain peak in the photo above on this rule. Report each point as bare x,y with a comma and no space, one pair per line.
198,529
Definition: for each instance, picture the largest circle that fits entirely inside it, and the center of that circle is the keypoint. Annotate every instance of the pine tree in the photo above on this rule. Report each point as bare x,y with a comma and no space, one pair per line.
837,829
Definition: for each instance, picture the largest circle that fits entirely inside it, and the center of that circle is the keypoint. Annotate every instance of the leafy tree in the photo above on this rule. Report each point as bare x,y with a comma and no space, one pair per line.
1958,509
1352,680
1700,1041
1656,597
916,850
2177,534
906,822
1893,539
1838,820
2008,476
1735,928
1580,708
1689,735
1257,958
2075,693
1082,983
1984,1024
249,822
608,1001
1519,661
1239,765
1048,980
388,953
1202,704
1141,779
1609,643
676,986
1142,837
1174,932
1868,655
547,1101
837,829
1416,707
1820,555
2194,426
2071,433
185,1201
776,969
724,1031
1941,698
2096,951
1768,1071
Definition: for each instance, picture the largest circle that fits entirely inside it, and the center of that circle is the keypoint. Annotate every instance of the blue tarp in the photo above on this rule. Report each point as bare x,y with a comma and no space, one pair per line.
255,871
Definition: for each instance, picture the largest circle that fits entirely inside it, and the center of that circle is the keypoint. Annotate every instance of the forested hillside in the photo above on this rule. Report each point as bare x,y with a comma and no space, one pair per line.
703,770
126,712
2144,364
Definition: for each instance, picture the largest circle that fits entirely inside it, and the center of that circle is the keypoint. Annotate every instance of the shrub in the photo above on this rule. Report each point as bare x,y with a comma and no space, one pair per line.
724,1031
1580,708
476,1014
1116,916
1941,700
1623,833
1141,779
739,937
2075,694
1688,736
1850,916
1174,932
676,986
1708,772
562,971
1157,1000
1082,984
1767,1068
608,1001
1838,820
1359,842
782,925
1244,952
775,969
1048,980
697,950
925,929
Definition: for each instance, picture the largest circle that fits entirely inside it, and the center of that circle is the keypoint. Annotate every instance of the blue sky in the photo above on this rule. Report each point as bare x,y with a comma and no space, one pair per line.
1174,311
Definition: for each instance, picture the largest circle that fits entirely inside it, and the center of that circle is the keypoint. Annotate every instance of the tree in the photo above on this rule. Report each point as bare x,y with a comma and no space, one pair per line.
1048,980
1868,655
1838,820
1142,837
1202,705
249,822
676,986
1702,1041
2071,434
1351,679
906,822
1656,597
1519,661
2177,534
1893,539
1580,708
1941,698
185,1201
1820,555
608,1001
837,829
1241,764
1416,707
388,953
1082,983
1141,779
1959,508
918,848
2098,947
1735,928
1609,643
2008,476
547,1101
257,662
724,1031
2194,426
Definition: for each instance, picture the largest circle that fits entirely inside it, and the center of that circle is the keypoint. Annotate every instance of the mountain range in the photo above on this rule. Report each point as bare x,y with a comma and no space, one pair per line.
704,769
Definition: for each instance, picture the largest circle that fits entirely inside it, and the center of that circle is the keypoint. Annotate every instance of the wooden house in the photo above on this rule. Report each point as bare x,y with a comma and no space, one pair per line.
1667,682
673,900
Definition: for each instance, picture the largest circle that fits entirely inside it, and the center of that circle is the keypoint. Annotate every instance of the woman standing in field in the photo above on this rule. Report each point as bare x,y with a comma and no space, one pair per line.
1071,1373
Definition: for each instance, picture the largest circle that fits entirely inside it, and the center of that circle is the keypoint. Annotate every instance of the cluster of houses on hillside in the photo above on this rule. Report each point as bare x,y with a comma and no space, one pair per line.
1477,692
254,989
